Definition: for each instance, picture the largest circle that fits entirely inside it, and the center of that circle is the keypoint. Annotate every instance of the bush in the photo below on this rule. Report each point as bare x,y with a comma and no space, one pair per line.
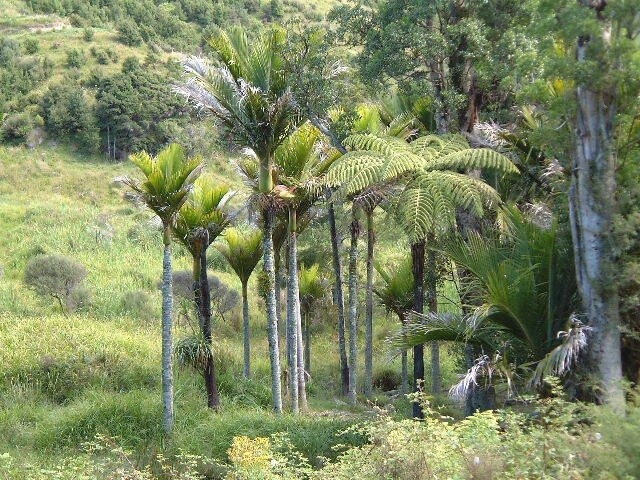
87,34
129,33
387,380
57,276
138,303
31,46
17,126
75,58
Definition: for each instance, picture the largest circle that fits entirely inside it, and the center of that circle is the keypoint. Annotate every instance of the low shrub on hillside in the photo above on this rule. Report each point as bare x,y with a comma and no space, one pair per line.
59,277
139,304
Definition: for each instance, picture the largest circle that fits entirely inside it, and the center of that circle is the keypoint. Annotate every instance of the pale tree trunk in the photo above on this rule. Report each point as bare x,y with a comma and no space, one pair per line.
353,307
272,317
292,321
307,343
417,260
167,335
592,205
246,331
302,381
432,296
339,299
368,352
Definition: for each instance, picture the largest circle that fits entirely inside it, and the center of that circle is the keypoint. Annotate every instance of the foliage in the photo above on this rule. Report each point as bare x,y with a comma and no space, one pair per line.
242,247
56,276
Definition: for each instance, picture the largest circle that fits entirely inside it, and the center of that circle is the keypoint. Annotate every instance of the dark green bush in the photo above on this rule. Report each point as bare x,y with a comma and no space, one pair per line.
387,379
129,33
75,58
56,276
31,46
87,34
17,126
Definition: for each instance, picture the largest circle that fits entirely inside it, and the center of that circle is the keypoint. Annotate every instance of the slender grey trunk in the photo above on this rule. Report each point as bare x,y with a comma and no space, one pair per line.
368,352
167,332
339,299
302,381
592,205
272,317
432,295
292,322
353,307
307,343
282,329
417,260
246,331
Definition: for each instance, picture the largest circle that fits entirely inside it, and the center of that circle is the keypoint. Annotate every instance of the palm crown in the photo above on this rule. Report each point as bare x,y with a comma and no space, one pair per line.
169,177
204,210
242,249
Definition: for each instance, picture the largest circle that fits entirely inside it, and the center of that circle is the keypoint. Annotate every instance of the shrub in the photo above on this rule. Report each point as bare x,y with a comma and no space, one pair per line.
56,276
17,126
31,46
138,303
387,379
87,34
129,33
75,58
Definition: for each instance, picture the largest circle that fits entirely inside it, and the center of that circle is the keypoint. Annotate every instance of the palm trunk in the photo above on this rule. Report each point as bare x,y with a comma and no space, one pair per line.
591,208
339,299
292,322
210,380
417,259
272,317
167,331
368,351
353,307
302,381
432,295
246,332
278,283
307,343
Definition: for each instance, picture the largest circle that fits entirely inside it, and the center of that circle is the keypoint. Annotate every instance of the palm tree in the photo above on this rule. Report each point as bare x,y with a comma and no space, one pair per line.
527,294
199,222
248,92
364,199
395,293
298,168
312,289
430,193
168,179
242,249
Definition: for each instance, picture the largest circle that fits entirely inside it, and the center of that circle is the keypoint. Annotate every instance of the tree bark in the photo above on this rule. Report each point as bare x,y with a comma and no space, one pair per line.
353,307
417,260
167,335
404,363
592,205
368,352
210,379
432,296
307,343
339,299
292,321
246,331
272,317
302,381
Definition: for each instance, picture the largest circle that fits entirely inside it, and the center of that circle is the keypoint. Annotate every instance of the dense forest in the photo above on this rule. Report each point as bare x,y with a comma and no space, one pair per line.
261,239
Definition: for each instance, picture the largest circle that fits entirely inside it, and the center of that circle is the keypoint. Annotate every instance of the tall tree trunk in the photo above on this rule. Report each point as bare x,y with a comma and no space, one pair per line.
272,317
405,369
432,296
210,380
167,335
279,273
353,307
292,321
592,205
307,343
368,351
339,299
302,381
417,261
246,331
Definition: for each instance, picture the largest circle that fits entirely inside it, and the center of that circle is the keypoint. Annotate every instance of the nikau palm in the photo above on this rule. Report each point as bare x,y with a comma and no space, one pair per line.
169,177
242,249
248,93
200,220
